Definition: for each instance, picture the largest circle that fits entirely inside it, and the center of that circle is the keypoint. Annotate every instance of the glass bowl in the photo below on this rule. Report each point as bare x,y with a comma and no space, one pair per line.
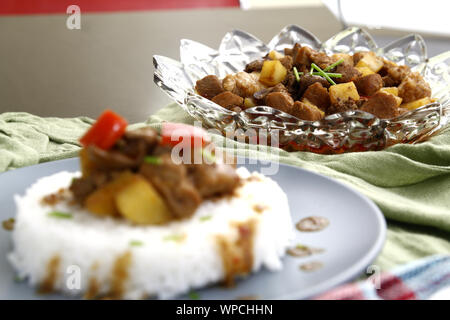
337,133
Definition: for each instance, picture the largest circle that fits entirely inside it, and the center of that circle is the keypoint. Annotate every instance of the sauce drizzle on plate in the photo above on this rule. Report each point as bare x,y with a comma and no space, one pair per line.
313,223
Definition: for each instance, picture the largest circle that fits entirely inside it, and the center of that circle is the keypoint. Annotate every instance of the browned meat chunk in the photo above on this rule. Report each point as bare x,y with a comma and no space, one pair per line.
261,95
392,73
110,160
342,105
279,88
321,59
84,186
209,87
280,100
302,56
318,96
369,84
413,87
228,100
172,182
381,104
137,143
291,51
290,82
389,82
307,80
214,179
287,62
306,112
349,73
146,134
81,188
254,66
358,56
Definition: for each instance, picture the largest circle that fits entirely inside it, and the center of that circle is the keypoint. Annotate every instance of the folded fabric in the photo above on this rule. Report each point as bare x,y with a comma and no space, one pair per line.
410,183
417,280
26,139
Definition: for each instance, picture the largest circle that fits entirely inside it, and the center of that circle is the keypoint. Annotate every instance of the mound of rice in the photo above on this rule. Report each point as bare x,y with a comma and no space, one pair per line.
112,255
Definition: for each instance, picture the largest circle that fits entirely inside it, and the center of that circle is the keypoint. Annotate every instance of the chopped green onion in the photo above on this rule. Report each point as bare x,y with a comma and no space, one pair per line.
153,160
19,279
297,74
311,71
194,295
331,75
334,65
205,218
174,237
136,243
208,155
301,247
323,74
59,214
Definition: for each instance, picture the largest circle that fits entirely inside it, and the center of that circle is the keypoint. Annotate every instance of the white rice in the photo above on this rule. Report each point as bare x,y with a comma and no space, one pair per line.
159,266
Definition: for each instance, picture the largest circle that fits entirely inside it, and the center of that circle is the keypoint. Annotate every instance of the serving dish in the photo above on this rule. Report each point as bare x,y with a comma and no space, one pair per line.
351,215
342,132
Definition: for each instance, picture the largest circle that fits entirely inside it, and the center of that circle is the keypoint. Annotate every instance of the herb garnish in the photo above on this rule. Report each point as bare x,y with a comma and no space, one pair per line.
297,74
153,160
194,295
322,73
330,74
136,243
319,72
334,65
174,237
205,218
61,215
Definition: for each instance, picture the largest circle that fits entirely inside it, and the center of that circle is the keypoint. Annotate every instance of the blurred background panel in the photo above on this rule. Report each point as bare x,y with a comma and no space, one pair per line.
49,70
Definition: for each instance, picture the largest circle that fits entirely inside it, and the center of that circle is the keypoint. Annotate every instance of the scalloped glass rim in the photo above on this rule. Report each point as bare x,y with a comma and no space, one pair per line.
341,132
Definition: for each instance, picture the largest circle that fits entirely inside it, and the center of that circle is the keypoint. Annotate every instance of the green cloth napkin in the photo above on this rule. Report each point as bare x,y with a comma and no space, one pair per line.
410,183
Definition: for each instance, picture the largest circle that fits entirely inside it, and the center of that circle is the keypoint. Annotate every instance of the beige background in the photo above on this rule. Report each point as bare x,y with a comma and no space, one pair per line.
49,70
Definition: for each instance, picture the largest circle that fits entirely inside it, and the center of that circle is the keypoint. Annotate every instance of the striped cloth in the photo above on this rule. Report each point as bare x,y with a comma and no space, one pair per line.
417,280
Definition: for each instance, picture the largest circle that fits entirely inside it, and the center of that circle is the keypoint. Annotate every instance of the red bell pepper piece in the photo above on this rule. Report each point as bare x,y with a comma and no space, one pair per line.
173,134
104,133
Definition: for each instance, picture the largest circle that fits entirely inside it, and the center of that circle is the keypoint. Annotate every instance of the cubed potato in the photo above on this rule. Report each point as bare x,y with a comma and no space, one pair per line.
140,203
391,90
249,103
313,106
101,202
365,71
343,92
272,73
345,56
275,55
417,103
372,61
307,112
